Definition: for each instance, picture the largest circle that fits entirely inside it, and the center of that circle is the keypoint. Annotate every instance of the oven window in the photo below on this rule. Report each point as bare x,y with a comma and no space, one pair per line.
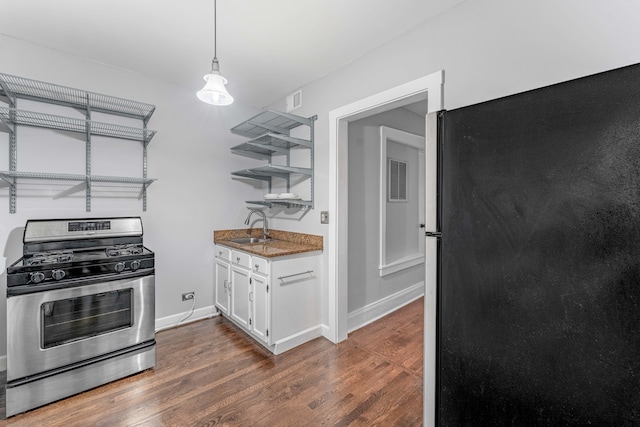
74,319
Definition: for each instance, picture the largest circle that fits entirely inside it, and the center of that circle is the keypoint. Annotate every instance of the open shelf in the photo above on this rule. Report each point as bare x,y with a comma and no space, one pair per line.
282,202
20,87
8,176
85,180
271,170
270,121
270,134
49,121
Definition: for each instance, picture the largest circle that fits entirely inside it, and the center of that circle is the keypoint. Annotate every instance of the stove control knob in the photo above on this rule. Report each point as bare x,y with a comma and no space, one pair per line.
119,267
37,277
58,274
135,264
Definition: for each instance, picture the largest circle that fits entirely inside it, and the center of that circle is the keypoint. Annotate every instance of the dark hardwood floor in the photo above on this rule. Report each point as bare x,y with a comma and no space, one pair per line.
208,373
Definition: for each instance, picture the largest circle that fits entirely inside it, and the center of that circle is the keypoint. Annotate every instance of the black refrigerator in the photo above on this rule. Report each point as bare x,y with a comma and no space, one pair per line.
538,301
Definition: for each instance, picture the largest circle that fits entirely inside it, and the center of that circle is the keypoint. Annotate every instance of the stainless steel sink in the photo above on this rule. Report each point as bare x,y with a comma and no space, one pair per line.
250,240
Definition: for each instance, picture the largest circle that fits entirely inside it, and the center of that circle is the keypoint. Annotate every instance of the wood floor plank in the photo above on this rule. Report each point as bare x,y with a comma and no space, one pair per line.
208,373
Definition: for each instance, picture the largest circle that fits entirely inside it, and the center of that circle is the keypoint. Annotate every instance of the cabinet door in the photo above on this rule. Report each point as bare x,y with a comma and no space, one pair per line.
222,285
260,307
239,287
295,296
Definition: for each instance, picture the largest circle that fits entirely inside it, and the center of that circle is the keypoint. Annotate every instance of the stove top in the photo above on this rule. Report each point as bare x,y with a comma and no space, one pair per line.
81,250
52,259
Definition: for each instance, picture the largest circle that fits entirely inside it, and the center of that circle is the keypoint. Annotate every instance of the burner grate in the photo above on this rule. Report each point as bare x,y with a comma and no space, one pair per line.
121,250
50,257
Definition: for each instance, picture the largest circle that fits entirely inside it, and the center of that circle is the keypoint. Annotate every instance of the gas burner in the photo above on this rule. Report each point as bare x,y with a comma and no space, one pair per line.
121,250
50,257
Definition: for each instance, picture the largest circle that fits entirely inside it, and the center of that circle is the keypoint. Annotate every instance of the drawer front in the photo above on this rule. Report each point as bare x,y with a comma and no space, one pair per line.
241,258
222,253
260,265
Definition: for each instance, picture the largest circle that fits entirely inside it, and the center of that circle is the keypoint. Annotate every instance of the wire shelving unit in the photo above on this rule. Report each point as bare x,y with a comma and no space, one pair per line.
270,133
14,88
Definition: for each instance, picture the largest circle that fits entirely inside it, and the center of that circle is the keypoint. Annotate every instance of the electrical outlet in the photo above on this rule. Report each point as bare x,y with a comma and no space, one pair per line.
188,295
324,217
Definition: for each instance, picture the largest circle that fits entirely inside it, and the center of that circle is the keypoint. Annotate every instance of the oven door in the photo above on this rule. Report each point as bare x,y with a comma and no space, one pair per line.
54,329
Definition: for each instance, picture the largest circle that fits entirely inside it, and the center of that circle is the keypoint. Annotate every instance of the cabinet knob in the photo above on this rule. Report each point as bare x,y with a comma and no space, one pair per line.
257,266
225,284
238,260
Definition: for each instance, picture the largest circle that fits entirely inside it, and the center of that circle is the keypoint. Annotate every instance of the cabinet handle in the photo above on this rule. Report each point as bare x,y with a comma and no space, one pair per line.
297,274
220,253
250,296
238,260
225,284
257,266
229,287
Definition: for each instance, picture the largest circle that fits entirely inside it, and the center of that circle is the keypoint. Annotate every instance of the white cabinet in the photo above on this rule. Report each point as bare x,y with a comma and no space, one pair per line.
222,293
239,286
275,300
259,306
222,274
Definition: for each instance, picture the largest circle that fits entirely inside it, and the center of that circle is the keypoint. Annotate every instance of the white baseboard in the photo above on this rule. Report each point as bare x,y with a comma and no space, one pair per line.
295,340
172,321
325,332
376,310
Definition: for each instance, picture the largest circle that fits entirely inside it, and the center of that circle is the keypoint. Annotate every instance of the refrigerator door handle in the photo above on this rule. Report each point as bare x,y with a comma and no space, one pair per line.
433,234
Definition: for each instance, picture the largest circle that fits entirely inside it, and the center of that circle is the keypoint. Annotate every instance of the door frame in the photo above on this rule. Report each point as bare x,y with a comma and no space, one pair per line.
430,87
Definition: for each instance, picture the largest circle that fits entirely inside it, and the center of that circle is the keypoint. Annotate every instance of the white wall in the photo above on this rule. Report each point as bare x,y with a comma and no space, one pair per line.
488,49
365,284
189,156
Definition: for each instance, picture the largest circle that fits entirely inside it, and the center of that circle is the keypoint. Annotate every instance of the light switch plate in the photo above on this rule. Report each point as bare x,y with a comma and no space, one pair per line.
324,217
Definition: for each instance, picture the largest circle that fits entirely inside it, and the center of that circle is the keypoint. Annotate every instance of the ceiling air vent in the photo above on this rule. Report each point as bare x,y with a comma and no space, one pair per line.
294,101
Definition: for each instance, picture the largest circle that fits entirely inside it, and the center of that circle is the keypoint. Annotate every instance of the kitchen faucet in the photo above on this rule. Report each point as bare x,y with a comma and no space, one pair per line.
265,225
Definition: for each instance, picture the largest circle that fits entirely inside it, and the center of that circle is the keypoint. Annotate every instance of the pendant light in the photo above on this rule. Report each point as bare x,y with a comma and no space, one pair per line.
214,92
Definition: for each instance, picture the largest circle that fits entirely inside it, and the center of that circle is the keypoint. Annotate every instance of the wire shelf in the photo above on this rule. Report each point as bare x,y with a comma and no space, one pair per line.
50,121
9,176
263,172
264,146
15,86
282,202
253,150
269,121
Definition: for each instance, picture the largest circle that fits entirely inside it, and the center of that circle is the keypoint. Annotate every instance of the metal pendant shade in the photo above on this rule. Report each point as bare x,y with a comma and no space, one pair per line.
214,91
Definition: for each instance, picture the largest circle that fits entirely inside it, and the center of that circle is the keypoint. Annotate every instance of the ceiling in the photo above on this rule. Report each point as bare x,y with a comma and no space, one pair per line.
267,49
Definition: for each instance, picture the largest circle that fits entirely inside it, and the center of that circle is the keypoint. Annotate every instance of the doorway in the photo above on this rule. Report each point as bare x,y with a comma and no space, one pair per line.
429,87
386,169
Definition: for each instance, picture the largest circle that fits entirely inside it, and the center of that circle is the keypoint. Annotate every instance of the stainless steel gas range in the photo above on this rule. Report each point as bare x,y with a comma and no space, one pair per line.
80,309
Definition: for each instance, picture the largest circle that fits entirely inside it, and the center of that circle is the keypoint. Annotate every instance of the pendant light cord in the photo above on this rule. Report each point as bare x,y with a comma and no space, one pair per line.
215,30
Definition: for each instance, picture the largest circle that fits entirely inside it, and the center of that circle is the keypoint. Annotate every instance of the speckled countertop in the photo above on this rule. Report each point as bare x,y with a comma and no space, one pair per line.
283,243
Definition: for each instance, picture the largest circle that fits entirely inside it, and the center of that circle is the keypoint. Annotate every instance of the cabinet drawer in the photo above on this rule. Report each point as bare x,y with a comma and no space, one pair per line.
222,253
241,258
260,266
